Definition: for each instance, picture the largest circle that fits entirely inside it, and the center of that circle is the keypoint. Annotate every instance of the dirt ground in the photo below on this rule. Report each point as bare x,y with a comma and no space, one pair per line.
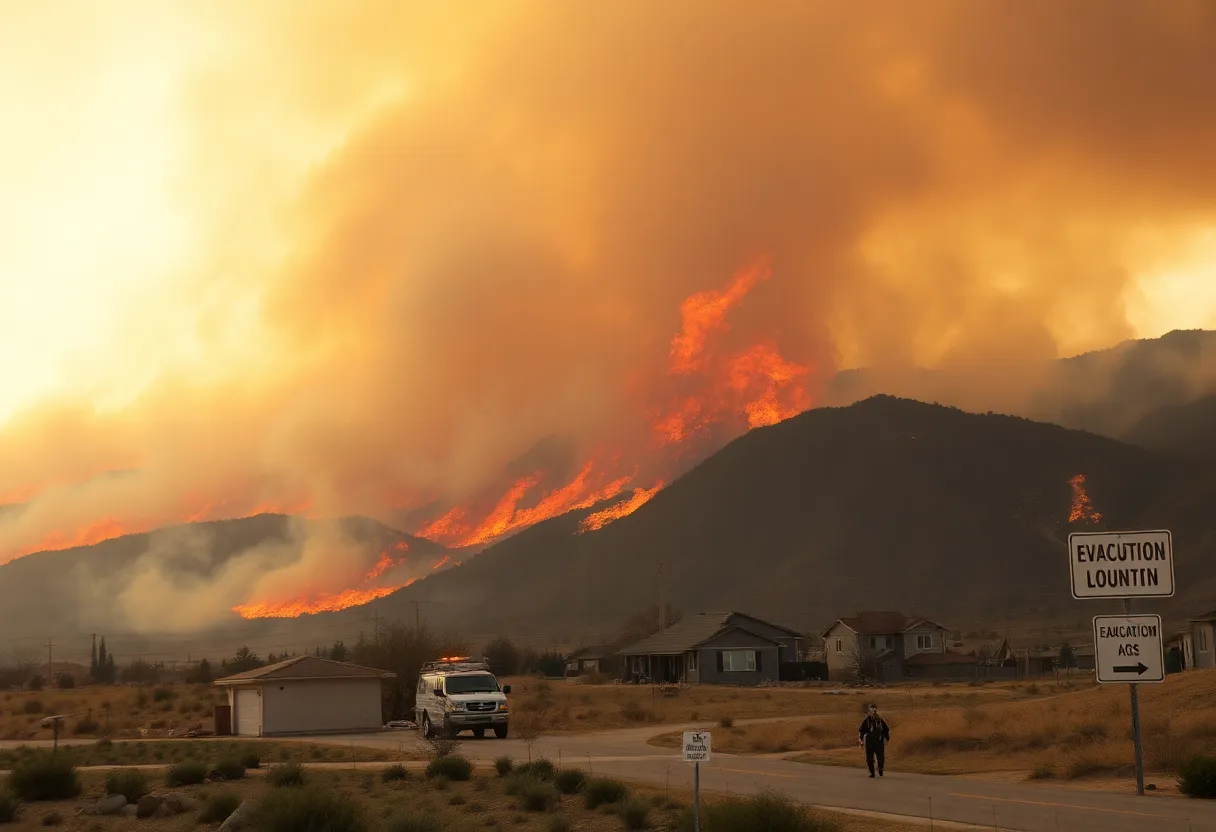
476,805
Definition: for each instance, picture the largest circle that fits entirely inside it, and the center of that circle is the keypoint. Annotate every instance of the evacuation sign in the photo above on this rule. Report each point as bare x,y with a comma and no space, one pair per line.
696,746
1128,648
1121,564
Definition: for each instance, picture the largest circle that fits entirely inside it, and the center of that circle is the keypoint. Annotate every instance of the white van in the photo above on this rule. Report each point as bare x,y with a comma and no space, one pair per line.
461,694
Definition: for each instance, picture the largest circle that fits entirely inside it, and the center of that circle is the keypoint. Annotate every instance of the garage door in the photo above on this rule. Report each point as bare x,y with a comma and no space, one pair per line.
248,712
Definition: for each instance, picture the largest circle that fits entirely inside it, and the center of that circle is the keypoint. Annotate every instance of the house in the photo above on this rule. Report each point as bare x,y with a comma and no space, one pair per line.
890,646
729,648
1198,642
1180,651
598,658
304,695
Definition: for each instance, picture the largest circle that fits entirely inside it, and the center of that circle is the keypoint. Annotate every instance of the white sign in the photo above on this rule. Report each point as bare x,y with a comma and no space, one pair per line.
696,747
1121,564
1128,648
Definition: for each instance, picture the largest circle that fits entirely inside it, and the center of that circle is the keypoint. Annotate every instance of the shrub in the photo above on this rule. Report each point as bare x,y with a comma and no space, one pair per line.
1197,777
286,776
189,773
130,783
537,795
218,807
141,698
453,768
441,783
231,769
726,722
317,810
503,765
9,807
557,823
251,760
33,706
771,811
162,695
1043,771
540,768
105,742
52,818
633,712
415,822
86,726
42,776
569,780
394,773
601,791
635,814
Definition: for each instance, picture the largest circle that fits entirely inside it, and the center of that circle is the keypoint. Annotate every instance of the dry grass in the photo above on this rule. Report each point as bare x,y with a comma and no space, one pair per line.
574,707
153,752
118,711
1081,733
479,804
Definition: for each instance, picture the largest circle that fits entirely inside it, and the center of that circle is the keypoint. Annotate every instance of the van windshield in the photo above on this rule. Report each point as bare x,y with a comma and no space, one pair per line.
475,683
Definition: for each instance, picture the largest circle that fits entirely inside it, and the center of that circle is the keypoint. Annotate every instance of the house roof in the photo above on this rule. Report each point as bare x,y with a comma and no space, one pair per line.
693,630
592,651
947,658
882,623
305,667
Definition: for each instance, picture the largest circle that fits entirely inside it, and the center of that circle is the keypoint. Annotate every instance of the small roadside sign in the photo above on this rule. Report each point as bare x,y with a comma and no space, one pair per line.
696,746
1121,564
1128,649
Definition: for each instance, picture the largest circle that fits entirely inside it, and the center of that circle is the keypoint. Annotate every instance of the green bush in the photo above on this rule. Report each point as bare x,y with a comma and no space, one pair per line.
504,766
128,782
43,776
453,768
10,806
218,807
286,776
601,791
569,780
394,773
315,810
635,813
251,761
414,822
1197,777
537,795
189,773
231,769
540,768
771,811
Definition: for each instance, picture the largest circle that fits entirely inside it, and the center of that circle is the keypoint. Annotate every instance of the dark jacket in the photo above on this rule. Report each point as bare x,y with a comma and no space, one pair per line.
874,730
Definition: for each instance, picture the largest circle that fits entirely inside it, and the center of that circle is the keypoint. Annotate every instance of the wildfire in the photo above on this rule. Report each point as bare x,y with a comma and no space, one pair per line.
319,603
442,561
1082,509
640,497
705,312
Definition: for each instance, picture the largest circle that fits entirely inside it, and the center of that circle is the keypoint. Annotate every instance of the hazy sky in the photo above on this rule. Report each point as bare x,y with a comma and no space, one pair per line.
335,248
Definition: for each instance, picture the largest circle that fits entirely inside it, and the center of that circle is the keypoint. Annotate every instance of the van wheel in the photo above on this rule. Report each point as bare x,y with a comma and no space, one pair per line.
501,733
427,730
479,733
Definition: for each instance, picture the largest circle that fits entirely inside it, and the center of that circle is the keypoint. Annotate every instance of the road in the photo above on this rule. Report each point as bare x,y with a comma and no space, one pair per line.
911,797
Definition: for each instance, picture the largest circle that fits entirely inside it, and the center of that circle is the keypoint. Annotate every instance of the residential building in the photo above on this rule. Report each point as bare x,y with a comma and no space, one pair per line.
889,646
1203,640
730,648
597,658
304,695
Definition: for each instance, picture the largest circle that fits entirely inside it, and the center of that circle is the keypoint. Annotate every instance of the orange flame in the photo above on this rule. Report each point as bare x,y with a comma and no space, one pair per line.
442,561
762,366
384,564
447,527
1082,509
640,497
705,312
319,603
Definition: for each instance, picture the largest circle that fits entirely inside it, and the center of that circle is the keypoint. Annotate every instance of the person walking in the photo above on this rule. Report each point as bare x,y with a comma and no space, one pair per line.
874,734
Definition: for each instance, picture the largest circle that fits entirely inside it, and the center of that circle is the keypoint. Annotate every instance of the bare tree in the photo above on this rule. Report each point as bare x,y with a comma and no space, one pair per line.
440,745
862,660
23,661
527,728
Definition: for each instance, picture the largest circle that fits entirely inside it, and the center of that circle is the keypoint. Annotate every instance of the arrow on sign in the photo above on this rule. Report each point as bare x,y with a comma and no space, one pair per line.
1138,668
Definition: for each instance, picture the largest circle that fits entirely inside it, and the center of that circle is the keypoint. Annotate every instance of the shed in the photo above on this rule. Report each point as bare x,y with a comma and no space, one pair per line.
305,695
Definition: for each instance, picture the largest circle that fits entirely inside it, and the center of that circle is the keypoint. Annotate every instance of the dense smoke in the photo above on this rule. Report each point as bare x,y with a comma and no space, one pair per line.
496,246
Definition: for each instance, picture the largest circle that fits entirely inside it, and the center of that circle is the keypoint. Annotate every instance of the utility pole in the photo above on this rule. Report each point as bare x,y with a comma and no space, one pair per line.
376,624
417,617
662,607
49,662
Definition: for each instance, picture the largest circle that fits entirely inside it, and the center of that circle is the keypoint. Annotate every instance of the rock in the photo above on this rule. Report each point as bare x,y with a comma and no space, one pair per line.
130,811
179,803
239,820
163,811
148,804
109,805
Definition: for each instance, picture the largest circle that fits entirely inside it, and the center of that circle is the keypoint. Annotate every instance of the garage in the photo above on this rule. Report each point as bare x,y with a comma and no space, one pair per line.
305,695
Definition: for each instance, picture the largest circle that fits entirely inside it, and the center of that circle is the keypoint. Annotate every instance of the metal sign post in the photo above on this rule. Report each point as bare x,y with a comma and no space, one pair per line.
696,751
1127,649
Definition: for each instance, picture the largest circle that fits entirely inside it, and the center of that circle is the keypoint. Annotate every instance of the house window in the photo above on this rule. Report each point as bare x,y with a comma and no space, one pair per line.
738,661
692,661
839,645
1201,640
924,642
880,642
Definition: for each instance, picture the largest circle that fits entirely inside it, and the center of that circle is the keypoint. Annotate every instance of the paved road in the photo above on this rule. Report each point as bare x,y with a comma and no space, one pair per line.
1024,807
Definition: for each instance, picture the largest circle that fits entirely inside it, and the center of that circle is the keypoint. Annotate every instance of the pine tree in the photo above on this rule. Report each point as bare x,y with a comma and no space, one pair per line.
105,664
93,661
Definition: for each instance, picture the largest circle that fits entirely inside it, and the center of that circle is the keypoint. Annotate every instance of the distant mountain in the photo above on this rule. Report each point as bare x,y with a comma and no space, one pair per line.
886,504
67,592
1183,429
